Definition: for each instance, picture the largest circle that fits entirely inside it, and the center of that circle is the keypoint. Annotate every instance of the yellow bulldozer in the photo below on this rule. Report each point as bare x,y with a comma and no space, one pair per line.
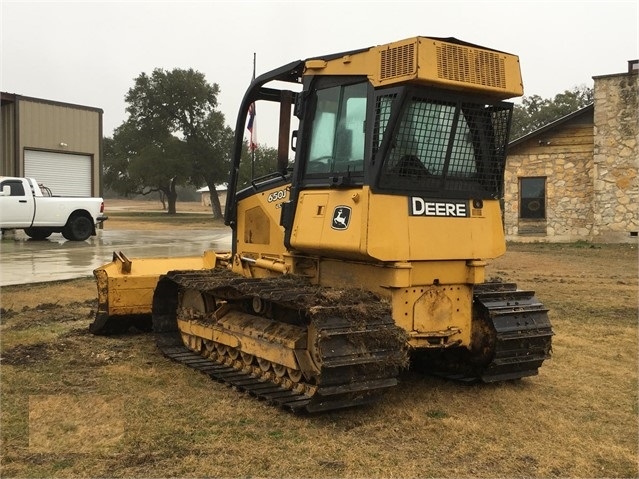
365,253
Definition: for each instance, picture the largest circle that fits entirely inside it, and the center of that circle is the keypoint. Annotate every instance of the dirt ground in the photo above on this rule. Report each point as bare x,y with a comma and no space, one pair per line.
149,215
78,405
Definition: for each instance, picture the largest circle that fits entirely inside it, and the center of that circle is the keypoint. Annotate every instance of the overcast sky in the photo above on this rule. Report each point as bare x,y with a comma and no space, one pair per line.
89,52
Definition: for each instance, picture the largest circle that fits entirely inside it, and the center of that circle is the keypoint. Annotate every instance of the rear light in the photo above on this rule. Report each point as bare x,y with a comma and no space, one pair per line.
102,207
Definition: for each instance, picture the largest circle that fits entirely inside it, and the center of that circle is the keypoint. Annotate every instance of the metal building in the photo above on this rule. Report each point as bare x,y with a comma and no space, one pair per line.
58,144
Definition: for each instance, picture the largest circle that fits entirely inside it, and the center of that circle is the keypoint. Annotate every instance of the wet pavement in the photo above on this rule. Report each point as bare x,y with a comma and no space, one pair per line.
24,261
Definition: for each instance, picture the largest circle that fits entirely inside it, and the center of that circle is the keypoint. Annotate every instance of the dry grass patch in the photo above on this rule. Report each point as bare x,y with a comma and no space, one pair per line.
75,424
578,418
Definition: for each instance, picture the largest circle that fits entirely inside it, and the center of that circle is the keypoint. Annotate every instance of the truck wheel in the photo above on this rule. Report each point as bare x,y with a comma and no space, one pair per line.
78,228
38,233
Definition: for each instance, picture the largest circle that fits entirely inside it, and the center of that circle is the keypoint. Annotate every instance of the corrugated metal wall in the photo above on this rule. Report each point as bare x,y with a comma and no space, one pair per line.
60,128
7,140
57,127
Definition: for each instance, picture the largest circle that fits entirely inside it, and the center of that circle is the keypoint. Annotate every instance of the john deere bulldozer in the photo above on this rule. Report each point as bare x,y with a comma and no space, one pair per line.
364,253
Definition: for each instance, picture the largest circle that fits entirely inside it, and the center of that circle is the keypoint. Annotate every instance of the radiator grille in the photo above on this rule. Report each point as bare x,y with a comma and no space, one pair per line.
463,64
398,61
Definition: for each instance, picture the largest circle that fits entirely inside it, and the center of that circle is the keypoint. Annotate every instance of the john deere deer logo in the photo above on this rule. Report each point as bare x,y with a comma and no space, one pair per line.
341,217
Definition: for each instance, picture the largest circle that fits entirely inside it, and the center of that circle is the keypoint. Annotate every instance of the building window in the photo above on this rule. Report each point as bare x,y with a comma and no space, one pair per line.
533,198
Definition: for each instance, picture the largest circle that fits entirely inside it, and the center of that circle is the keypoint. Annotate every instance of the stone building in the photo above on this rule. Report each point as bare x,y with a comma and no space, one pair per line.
577,178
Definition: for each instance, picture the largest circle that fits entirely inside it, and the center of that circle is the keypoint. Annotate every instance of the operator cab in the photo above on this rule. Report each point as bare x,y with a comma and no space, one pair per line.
402,140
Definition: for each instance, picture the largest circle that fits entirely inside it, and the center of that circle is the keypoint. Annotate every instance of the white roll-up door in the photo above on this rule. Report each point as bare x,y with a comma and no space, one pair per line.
64,174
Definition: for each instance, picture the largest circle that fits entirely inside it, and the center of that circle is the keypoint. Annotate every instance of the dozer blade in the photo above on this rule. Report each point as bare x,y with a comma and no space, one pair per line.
125,288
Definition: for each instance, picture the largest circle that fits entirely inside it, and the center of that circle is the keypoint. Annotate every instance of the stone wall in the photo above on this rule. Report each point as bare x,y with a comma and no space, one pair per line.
591,165
616,158
564,158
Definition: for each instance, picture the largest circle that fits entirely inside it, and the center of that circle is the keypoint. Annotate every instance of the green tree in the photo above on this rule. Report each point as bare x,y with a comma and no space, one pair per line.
210,150
261,162
138,166
535,111
174,135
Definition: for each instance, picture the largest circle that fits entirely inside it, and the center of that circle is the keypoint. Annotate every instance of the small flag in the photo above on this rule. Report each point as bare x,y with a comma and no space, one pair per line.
251,127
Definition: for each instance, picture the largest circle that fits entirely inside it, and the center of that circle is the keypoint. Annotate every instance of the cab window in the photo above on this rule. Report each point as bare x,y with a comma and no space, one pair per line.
15,186
338,130
446,147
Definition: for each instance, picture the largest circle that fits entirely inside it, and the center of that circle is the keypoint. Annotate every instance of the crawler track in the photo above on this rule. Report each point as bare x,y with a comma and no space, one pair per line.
512,338
523,332
356,349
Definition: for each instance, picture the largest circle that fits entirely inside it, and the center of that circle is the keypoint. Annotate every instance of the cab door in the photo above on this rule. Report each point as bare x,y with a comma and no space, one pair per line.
16,204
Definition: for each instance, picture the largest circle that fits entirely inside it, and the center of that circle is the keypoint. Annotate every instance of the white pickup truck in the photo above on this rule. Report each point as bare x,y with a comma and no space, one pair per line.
24,204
